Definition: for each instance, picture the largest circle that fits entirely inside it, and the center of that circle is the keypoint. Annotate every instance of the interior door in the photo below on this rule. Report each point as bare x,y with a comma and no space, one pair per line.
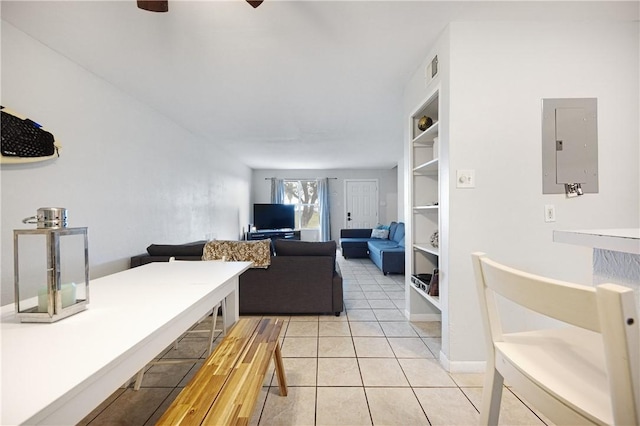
361,203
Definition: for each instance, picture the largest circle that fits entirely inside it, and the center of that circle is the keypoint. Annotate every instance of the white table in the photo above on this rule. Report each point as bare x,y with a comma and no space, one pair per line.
625,240
57,373
616,254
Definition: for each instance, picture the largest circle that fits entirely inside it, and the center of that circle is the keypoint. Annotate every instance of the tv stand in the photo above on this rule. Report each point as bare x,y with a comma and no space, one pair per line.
274,234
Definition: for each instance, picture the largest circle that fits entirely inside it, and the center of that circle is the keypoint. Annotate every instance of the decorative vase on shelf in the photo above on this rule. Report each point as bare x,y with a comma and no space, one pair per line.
424,123
434,239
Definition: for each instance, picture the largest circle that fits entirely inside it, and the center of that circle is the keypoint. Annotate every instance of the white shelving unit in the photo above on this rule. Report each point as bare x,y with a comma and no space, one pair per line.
424,181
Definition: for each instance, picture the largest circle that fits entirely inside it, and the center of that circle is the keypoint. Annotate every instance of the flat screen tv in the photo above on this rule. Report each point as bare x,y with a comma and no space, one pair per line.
274,216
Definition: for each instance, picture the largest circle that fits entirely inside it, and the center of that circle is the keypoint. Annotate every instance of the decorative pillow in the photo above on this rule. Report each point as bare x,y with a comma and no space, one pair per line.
189,249
381,226
258,252
380,233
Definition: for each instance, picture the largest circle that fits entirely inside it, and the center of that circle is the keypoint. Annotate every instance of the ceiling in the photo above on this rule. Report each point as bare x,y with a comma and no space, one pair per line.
289,85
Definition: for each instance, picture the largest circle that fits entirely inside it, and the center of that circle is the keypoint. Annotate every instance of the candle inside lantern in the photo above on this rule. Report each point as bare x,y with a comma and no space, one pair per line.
68,294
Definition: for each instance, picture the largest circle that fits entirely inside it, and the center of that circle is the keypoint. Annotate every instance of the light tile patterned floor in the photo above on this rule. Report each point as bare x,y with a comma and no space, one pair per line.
368,366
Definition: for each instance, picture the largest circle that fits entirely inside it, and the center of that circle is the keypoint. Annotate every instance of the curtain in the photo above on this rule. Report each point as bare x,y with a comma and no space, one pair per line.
323,199
277,191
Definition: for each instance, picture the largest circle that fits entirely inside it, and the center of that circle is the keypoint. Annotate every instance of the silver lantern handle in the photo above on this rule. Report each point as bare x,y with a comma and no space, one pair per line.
30,219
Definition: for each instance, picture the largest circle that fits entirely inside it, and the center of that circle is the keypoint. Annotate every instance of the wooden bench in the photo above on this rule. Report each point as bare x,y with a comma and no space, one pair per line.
226,388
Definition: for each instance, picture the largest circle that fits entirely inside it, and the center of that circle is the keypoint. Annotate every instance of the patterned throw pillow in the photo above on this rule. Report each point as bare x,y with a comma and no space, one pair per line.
380,233
258,252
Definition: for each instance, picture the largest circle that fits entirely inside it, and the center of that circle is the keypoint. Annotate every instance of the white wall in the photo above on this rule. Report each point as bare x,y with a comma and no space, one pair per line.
130,175
387,190
500,72
495,76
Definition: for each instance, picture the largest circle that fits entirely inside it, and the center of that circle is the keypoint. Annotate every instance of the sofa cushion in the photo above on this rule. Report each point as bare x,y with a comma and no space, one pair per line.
398,235
258,252
305,248
189,249
380,245
392,229
394,249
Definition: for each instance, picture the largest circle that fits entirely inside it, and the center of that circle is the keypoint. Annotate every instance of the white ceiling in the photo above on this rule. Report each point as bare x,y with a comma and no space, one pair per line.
290,85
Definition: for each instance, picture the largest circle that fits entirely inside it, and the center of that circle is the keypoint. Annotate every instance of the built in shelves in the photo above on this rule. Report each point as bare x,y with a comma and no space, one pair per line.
424,191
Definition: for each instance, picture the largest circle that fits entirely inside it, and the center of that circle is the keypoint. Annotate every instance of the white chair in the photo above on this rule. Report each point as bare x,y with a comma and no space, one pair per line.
586,372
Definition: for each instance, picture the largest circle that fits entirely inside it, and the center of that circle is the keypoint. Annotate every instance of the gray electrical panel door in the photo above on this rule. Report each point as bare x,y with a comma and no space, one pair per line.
569,144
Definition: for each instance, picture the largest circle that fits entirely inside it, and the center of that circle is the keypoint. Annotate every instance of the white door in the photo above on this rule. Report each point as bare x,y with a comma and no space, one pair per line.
361,203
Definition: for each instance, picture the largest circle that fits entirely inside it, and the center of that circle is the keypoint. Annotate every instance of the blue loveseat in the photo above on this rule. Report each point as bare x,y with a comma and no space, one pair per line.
387,254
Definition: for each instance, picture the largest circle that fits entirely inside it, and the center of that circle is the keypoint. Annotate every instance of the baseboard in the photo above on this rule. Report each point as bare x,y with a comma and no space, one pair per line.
462,366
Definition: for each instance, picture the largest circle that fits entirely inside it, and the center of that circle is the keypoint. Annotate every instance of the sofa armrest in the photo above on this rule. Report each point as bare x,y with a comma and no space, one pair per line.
356,233
338,295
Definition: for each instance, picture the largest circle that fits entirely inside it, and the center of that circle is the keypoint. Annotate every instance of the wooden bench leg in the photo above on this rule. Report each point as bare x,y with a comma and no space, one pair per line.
282,379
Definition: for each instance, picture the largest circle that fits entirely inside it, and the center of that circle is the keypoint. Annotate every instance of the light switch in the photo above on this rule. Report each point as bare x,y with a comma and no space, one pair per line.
466,179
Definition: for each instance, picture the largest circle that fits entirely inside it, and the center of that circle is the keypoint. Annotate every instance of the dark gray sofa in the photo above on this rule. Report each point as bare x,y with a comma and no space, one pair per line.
162,253
303,277
387,254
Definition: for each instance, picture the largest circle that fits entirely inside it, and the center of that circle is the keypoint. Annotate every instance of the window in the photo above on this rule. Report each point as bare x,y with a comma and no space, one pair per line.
304,194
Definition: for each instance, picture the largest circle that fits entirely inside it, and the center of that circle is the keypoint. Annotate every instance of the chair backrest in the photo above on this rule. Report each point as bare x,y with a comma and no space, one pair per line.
608,309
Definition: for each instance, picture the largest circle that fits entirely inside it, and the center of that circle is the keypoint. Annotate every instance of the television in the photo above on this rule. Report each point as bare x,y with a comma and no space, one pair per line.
274,216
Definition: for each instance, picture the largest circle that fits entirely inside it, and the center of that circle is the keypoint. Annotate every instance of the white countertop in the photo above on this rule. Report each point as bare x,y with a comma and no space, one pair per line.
54,373
625,240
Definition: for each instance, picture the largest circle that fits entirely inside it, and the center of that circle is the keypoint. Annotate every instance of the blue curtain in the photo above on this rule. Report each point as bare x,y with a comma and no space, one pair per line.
325,220
277,191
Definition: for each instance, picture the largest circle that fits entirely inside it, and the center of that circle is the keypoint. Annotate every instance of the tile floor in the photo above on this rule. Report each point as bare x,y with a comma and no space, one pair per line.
368,366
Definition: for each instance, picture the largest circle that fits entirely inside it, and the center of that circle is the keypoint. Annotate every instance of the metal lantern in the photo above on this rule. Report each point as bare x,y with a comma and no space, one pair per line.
51,267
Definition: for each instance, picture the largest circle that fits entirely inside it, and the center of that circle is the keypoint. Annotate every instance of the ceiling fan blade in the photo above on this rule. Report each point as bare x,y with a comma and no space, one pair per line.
255,3
154,5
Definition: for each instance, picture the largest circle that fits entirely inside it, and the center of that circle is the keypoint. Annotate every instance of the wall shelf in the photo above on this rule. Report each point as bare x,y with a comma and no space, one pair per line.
429,167
426,137
425,208
435,301
427,248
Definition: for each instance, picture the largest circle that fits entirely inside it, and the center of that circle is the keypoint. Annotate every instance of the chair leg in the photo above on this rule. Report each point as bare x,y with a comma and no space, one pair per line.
491,397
